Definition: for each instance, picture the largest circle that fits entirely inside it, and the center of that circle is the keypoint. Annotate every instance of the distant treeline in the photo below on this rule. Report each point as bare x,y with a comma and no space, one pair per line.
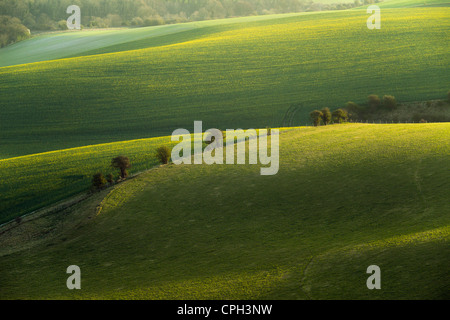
12,30
47,15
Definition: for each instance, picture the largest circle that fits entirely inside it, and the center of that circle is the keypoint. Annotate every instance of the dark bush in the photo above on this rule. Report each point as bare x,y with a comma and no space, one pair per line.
98,181
326,116
210,139
122,163
316,116
12,30
373,101
389,102
354,110
163,154
340,115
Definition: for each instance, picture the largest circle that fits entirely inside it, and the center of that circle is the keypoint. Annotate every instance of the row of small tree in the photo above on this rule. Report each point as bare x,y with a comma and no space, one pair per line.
122,163
99,181
388,102
374,106
325,116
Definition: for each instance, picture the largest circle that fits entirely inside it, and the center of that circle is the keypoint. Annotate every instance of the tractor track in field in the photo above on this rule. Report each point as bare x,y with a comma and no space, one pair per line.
289,116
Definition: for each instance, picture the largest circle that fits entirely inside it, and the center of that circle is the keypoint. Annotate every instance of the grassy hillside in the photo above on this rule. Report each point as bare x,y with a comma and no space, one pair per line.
63,44
346,197
31,182
245,76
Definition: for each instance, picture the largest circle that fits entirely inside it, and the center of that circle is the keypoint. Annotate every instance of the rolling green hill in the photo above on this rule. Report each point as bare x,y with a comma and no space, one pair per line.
246,74
54,176
29,183
345,197
63,44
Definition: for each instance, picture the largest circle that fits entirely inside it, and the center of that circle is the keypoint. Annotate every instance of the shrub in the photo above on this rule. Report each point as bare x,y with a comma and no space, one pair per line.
354,110
352,107
423,121
210,139
163,154
62,25
326,116
373,101
340,115
97,22
316,116
137,21
98,181
122,163
12,30
153,21
389,102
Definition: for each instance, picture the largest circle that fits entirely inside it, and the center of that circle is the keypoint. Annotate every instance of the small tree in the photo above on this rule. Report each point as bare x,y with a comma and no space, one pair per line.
326,116
353,109
98,181
340,115
389,102
373,101
163,154
122,163
62,24
210,139
316,116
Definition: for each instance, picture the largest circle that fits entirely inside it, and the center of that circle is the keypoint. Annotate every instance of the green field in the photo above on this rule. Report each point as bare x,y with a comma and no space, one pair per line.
58,45
244,74
32,182
345,197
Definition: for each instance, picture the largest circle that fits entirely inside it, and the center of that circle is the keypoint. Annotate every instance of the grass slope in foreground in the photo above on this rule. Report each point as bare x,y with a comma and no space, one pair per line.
245,77
346,197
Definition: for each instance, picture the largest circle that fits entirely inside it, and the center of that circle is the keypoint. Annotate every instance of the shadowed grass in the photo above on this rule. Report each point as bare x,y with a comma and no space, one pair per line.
345,197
